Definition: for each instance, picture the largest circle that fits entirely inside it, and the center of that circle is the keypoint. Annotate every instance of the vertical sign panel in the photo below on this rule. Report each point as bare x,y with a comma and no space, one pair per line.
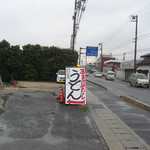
75,86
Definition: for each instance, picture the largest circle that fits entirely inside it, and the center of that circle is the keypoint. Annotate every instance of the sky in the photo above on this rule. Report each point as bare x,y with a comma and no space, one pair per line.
49,23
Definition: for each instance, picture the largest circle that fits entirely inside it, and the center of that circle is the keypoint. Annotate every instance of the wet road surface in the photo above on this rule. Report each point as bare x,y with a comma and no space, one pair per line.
121,88
34,120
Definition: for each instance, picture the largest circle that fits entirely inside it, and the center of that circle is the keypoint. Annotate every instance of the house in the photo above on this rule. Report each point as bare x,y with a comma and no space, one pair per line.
105,67
123,69
144,65
118,71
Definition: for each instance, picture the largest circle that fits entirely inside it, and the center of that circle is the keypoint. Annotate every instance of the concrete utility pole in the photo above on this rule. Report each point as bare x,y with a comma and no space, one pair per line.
101,44
135,19
124,55
79,8
74,25
80,54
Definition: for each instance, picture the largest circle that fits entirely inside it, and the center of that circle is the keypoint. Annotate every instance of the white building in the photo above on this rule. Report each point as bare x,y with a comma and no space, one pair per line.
144,65
123,69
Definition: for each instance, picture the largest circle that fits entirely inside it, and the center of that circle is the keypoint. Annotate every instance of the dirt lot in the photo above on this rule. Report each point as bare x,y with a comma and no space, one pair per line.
42,86
37,84
33,119
27,86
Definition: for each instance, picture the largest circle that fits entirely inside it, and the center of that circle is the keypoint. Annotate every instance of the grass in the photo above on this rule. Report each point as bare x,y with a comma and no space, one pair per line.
1,111
84,107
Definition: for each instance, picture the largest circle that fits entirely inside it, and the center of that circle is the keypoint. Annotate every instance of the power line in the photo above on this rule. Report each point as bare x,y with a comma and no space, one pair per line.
144,36
79,8
130,52
144,10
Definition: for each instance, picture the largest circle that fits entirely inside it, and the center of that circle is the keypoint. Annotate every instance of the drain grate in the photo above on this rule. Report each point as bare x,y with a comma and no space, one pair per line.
98,106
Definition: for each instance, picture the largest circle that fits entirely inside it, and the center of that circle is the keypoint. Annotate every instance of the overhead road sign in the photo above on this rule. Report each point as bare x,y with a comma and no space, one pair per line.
91,51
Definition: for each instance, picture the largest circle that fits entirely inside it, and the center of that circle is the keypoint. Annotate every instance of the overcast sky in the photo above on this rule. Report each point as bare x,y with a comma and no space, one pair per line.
49,23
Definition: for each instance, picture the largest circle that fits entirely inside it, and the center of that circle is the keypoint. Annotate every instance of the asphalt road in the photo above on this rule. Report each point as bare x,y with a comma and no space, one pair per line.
120,88
34,120
135,117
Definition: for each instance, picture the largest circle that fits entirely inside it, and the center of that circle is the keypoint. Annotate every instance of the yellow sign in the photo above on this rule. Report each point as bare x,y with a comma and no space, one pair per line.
78,65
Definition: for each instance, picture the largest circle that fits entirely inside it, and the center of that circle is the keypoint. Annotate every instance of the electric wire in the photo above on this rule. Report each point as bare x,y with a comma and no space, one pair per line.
110,39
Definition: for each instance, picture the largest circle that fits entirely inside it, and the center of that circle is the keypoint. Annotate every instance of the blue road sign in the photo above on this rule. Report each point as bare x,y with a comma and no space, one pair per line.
91,51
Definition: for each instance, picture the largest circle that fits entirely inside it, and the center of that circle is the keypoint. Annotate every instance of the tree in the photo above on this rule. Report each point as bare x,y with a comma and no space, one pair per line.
34,62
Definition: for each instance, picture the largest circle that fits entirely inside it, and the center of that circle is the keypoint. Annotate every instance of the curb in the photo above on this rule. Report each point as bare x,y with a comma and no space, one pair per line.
136,102
129,99
97,84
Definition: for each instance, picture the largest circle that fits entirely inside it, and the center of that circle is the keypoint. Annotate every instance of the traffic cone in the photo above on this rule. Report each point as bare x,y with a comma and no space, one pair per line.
62,98
15,84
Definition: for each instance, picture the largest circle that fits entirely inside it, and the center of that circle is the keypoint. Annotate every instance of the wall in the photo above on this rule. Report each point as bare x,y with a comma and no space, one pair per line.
106,67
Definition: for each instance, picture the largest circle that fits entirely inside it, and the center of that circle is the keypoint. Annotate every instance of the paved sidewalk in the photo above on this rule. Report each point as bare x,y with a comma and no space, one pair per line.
115,132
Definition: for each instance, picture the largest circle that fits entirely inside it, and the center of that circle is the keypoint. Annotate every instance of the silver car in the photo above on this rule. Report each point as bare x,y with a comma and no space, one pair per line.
60,76
139,80
98,74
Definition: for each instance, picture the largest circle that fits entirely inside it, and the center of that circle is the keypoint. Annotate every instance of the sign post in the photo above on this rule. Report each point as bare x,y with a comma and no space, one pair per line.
75,86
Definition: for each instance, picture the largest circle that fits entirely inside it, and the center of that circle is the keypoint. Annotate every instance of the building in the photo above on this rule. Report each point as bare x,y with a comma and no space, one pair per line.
118,70
123,69
144,65
105,67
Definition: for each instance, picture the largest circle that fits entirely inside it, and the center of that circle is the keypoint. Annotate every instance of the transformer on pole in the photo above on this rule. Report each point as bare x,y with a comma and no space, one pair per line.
79,8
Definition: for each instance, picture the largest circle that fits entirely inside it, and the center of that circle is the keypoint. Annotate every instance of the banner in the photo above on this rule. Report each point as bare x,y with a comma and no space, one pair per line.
75,86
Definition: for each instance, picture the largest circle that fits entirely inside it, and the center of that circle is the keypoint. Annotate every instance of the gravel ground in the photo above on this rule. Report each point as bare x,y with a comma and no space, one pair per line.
34,120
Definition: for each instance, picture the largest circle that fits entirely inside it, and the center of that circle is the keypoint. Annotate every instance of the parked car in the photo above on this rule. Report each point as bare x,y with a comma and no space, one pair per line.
60,76
104,74
98,74
110,76
139,79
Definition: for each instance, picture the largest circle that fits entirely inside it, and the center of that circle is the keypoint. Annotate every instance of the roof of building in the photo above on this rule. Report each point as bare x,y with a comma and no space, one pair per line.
144,62
144,56
112,62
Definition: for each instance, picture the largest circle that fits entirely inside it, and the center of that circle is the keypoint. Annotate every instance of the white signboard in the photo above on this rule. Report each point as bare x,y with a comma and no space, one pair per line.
75,86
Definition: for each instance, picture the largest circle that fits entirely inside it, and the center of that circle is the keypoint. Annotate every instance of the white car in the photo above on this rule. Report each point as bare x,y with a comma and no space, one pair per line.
110,75
60,76
98,74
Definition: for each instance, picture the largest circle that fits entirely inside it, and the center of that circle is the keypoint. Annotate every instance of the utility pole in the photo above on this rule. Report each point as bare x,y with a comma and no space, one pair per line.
80,54
74,25
101,44
124,55
79,8
135,19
